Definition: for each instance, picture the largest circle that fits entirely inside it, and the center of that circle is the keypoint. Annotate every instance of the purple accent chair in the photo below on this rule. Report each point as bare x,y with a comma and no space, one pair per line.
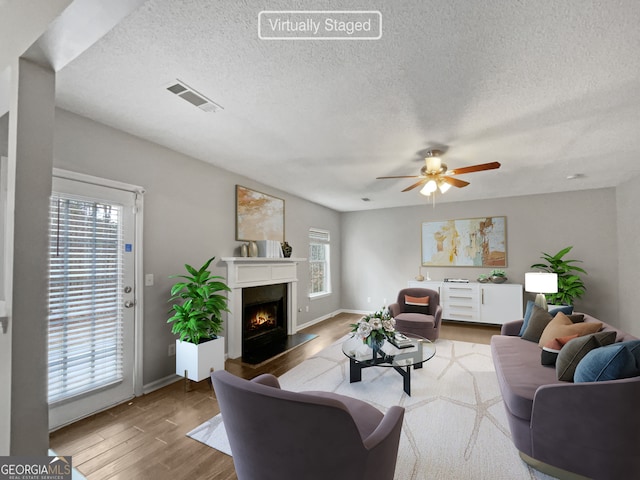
281,435
425,325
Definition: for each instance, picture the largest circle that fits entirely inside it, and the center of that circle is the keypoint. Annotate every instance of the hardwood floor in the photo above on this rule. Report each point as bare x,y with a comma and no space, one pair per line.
145,438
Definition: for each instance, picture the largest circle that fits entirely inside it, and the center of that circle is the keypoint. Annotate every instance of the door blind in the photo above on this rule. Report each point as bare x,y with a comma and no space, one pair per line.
85,296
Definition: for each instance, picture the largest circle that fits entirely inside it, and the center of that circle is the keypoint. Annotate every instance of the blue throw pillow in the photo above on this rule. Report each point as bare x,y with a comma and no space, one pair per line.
620,360
566,309
527,315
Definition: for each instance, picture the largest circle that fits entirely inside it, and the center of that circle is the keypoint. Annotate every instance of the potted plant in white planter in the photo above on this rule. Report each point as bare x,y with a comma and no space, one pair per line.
197,318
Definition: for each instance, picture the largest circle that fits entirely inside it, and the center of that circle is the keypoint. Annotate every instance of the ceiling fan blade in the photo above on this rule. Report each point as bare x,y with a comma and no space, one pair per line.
417,184
474,168
456,182
400,176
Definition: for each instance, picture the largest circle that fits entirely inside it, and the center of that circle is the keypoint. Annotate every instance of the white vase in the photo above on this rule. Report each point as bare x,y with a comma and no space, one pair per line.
199,360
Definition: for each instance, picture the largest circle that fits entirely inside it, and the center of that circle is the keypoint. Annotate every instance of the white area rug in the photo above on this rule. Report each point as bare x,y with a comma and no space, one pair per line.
454,427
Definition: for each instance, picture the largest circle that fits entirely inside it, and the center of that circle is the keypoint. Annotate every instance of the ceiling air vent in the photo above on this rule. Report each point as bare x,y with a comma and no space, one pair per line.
190,95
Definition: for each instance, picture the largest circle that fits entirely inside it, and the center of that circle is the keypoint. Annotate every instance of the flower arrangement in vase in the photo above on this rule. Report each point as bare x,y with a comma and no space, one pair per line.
375,328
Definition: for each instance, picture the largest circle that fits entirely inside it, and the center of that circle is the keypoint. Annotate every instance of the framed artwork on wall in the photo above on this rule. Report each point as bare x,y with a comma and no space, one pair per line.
258,216
470,242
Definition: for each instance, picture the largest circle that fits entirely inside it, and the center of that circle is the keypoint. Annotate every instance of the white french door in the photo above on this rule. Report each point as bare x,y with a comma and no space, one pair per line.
92,294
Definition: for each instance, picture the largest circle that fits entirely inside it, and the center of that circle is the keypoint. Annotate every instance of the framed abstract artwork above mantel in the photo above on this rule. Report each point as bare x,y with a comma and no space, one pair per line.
469,242
258,216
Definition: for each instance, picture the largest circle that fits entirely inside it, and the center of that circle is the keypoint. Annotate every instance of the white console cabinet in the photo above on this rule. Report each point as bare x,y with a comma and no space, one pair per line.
460,301
477,302
500,303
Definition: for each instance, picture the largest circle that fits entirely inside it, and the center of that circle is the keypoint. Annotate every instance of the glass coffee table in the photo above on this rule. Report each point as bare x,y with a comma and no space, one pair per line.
400,359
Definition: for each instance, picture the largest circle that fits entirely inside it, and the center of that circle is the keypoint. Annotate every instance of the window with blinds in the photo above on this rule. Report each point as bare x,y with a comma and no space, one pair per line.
319,261
85,296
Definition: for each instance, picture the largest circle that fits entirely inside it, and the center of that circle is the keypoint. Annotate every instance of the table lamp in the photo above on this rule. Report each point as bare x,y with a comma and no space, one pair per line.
541,283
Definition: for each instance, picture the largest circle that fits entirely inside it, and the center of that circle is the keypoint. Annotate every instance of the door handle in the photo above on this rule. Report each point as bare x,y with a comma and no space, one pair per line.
129,303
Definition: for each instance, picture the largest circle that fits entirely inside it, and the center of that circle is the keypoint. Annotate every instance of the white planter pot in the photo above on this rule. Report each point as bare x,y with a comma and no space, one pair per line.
198,360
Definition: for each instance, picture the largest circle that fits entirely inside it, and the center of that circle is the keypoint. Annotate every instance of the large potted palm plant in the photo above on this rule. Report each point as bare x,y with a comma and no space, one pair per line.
197,318
570,285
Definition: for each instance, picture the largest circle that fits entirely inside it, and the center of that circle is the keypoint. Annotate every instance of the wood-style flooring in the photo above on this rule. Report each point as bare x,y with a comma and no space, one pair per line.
145,438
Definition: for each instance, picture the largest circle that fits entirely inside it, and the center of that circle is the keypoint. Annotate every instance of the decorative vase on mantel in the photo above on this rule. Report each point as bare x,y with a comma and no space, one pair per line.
286,249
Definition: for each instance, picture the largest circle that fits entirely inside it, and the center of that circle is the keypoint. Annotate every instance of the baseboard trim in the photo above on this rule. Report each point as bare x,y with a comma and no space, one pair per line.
158,384
317,320
327,317
357,312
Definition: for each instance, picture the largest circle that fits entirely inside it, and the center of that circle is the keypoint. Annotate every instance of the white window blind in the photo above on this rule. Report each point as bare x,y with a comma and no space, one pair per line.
85,296
319,261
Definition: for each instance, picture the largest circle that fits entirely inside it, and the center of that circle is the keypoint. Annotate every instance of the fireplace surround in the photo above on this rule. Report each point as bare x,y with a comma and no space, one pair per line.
248,272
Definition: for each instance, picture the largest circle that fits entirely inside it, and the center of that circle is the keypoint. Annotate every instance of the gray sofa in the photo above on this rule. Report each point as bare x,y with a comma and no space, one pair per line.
590,429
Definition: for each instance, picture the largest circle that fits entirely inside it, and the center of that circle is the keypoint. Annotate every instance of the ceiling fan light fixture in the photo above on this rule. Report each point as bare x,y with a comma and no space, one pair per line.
435,175
429,187
443,186
434,164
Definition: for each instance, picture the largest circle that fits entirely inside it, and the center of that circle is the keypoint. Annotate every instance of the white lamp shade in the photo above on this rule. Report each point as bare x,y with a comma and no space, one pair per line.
541,282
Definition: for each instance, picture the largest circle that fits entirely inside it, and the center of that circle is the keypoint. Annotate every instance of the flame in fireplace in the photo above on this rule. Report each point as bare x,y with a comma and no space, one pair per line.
262,318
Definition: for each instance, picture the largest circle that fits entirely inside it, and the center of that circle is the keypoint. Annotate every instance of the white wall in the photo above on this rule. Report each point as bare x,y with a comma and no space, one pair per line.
4,134
628,199
381,248
5,338
189,216
30,156
4,152
22,22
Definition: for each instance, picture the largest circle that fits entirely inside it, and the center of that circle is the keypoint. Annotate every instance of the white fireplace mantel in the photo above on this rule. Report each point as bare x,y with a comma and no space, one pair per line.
244,272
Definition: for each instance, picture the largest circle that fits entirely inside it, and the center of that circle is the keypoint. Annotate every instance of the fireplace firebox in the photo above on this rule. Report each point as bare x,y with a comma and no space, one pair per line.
264,322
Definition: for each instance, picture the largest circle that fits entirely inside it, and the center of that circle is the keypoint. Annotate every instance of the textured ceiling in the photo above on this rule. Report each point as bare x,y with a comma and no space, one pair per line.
547,88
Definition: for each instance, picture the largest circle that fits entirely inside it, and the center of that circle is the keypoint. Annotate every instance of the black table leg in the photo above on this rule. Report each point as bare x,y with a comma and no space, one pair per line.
406,376
355,371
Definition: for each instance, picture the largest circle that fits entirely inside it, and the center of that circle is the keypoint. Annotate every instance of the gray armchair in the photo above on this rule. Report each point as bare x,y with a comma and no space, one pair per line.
419,320
281,435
